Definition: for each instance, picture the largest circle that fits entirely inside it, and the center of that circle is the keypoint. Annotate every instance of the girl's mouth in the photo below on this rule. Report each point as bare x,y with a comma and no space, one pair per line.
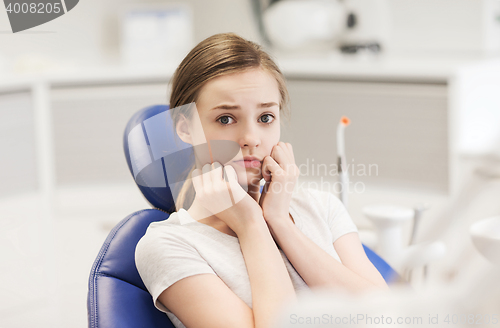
249,163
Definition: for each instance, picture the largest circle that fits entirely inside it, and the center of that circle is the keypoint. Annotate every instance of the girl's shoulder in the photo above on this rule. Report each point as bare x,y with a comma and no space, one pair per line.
310,204
176,219
314,197
322,208
169,229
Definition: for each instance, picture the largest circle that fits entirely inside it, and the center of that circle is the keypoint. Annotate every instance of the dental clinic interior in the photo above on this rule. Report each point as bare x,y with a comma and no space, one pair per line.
418,81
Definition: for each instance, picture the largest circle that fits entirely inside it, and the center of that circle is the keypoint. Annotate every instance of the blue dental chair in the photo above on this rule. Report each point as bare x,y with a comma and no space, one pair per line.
117,296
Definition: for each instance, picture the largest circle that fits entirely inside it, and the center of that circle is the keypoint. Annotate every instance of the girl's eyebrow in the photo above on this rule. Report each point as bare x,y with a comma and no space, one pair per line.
230,107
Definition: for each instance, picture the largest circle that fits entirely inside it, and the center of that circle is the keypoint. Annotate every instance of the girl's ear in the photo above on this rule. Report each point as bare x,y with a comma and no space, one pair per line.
183,131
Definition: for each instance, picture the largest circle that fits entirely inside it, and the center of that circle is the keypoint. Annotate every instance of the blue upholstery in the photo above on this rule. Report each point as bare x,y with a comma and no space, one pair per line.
389,274
163,144
117,296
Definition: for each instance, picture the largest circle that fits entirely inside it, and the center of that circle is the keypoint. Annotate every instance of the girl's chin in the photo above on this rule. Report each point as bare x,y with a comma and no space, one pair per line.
249,180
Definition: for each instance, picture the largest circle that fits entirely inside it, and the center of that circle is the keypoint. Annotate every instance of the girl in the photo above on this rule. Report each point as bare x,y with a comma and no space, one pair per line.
234,257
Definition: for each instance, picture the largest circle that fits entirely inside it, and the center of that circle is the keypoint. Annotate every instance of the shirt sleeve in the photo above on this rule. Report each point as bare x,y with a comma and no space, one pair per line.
339,220
163,259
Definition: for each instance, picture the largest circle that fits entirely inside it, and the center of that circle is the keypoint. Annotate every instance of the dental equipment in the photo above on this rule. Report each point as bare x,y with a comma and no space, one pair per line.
471,298
473,302
485,236
450,224
418,209
343,173
389,221
485,170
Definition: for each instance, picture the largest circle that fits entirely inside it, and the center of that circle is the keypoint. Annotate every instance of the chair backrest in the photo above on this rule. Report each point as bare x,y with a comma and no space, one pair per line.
117,296
149,139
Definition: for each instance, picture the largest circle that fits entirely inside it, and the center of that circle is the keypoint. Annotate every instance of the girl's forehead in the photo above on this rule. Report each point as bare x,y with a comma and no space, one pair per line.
248,86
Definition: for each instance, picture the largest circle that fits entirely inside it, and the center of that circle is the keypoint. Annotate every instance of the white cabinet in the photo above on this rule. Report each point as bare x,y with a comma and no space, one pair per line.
88,128
68,134
17,143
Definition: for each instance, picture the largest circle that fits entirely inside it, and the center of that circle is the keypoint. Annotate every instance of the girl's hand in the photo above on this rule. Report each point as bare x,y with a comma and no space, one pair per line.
223,196
281,174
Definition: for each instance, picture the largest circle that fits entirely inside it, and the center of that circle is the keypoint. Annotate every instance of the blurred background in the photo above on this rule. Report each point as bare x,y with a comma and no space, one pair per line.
419,79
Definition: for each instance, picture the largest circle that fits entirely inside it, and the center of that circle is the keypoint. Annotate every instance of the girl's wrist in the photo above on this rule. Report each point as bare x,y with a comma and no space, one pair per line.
252,227
280,223
281,228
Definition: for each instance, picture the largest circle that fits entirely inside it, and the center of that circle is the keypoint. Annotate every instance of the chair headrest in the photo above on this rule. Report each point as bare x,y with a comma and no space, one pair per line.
152,148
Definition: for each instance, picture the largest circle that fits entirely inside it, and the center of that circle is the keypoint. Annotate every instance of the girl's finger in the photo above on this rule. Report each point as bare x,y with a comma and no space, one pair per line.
195,173
280,156
230,173
266,172
286,150
289,146
207,180
216,173
264,193
235,189
270,167
197,180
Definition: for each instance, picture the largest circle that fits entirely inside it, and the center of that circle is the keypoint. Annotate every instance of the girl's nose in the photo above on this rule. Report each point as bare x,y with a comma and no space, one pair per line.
249,137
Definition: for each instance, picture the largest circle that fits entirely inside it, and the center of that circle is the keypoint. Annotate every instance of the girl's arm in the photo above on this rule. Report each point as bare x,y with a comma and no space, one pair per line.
320,269
269,279
205,301
316,266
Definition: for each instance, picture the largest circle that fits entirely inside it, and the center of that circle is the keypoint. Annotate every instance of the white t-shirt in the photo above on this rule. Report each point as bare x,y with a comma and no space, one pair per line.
180,247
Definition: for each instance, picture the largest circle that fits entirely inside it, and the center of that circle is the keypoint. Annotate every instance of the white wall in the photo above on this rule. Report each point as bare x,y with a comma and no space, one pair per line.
445,27
75,35
91,31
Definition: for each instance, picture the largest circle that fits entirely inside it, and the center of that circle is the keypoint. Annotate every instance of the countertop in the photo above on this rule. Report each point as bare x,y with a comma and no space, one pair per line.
333,67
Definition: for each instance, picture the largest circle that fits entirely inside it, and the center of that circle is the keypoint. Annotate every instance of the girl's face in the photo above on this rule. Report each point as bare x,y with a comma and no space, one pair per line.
243,108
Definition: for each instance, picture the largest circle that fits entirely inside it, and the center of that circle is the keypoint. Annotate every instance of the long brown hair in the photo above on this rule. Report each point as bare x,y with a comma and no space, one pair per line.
218,55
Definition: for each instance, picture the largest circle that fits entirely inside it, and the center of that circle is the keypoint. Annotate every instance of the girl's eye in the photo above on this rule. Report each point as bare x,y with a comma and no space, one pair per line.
267,118
224,120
